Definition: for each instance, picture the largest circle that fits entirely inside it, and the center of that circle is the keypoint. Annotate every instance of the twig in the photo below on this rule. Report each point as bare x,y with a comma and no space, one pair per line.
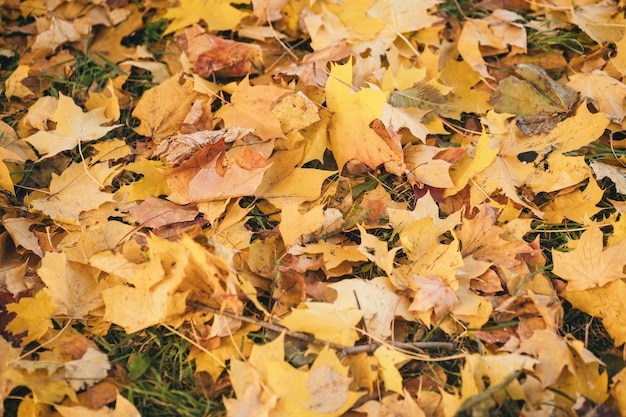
344,350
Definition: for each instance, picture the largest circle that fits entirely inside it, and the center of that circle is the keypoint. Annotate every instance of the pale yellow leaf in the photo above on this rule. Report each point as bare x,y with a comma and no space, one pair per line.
377,299
92,367
73,128
73,287
326,322
76,190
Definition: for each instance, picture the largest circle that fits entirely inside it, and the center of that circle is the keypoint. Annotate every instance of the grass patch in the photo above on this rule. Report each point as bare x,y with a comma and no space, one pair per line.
154,373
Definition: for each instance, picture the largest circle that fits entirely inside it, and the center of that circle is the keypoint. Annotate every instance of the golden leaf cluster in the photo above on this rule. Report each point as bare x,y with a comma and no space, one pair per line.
379,207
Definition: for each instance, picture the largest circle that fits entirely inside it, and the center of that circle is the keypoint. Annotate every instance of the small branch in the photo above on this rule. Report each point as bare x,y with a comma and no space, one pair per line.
343,350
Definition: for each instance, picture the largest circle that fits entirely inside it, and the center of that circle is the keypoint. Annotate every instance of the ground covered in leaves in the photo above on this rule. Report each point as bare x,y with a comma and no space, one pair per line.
322,208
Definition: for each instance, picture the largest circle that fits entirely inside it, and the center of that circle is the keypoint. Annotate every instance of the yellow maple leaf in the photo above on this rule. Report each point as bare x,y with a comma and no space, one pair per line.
73,128
152,182
602,21
325,321
421,161
405,15
73,287
33,317
553,355
106,99
76,190
14,86
576,205
389,361
377,299
333,254
321,391
163,108
605,92
438,260
350,134
606,303
539,161
251,107
248,391
376,251
496,369
588,266
218,15
293,224
464,170
465,97
498,30
472,308
481,240
297,185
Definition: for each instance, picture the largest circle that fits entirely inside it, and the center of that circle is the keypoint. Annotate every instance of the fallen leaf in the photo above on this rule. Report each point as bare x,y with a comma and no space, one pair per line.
605,92
588,265
211,54
250,107
601,20
248,402
312,70
72,287
497,31
481,239
56,34
19,230
323,390
76,190
617,174
217,14
553,356
432,297
33,317
576,205
73,129
392,405
179,148
326,322
377,299
350,135
155,212
14,86
605,303
163,108
92,367
421,161
390,361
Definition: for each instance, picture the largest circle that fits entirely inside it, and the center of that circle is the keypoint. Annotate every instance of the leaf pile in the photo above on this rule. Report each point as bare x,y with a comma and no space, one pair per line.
340,208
